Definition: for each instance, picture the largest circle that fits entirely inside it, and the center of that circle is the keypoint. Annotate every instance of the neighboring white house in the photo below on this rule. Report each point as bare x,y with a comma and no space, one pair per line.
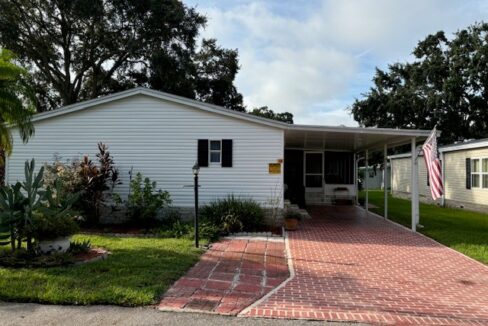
375,176
465,167
163,135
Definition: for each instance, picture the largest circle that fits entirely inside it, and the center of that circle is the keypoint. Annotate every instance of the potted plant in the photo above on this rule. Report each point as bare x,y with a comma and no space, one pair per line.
291,218
54,232
54,222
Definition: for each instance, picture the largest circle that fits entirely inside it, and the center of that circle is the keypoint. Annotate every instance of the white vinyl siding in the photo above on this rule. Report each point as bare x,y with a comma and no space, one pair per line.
401,172
454,178
159,138
455,166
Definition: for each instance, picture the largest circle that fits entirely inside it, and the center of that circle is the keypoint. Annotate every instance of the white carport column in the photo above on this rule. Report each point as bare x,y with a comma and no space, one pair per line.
385,178
356,190
414,185
366,175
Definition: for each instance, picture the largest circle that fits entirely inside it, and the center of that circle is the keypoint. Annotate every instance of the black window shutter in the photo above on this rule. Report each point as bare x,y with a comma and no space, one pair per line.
468,173
203,152
227,153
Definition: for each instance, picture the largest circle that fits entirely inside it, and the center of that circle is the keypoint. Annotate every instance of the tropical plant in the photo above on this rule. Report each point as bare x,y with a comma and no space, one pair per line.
56,218
232,212
79,247
11,215
33,192
145,201
19,203
16,102
96,180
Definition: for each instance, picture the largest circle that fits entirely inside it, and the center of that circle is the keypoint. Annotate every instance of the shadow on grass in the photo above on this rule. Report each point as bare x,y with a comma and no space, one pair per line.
137,273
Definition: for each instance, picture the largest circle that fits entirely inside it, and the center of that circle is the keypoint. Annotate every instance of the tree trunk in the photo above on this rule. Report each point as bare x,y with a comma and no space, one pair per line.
29,244
12,238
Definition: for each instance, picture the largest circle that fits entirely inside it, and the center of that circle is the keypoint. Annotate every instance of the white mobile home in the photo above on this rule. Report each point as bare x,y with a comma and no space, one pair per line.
465,167
163,135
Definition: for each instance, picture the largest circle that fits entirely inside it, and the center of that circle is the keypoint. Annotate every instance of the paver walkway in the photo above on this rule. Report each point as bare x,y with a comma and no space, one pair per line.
350,266
230,276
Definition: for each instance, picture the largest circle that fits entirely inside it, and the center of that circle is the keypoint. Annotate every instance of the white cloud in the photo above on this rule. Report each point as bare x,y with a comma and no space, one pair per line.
311,57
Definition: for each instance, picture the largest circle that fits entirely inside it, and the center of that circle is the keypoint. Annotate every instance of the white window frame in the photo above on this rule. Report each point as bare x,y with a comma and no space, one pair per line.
480,173
210,151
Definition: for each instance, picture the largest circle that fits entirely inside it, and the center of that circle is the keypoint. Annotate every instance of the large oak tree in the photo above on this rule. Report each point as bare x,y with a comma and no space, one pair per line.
81,49
445,85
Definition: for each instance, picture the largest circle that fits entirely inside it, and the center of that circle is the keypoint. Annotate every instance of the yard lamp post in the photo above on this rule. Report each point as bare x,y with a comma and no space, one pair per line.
195,170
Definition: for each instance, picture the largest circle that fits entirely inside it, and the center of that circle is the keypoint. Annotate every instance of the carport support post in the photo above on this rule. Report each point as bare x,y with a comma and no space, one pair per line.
415,185
366,176
385,178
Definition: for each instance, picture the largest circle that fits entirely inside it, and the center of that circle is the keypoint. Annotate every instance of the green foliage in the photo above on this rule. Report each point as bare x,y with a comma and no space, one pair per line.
69,173
16,102
12,203
145,201
25,259
138,272
292,214
49,227
31,212
266,112
233,214
79,50
79,247
446,85
230,223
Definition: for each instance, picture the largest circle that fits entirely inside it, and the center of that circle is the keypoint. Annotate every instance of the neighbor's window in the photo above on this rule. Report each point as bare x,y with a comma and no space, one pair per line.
215,151
479,173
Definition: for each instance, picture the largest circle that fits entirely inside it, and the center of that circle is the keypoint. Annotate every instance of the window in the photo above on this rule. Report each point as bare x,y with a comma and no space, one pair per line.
215,151
479,173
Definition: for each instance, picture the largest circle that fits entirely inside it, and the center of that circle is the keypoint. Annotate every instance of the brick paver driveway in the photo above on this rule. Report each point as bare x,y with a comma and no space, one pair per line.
230,276
349,266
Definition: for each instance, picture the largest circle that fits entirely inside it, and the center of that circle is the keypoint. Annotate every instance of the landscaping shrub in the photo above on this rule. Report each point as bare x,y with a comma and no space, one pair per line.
79,247
145,201
94,182
234,214
29,212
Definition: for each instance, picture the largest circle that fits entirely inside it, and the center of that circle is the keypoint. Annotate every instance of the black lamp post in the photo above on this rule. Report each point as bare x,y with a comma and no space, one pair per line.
195,170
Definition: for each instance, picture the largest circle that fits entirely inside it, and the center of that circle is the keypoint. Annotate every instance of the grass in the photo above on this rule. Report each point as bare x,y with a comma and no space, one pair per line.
137,273
459,229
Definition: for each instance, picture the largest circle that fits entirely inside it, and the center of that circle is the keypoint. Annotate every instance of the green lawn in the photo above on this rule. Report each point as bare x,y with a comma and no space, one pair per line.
459,229
137,273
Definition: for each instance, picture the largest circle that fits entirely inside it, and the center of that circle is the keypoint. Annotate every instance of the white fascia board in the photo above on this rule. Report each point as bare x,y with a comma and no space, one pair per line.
362,130
464,146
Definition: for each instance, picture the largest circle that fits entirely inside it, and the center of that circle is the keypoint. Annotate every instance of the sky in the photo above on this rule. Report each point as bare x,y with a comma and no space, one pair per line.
315,57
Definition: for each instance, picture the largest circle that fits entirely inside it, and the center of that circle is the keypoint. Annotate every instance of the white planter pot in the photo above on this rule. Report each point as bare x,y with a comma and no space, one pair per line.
58,245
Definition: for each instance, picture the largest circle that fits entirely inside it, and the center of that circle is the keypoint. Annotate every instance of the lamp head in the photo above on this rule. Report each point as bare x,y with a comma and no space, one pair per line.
195,169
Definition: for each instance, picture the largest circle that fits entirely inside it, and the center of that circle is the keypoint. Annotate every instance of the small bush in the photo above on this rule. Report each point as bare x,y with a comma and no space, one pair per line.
145,202
234,214
79,247
51,227
170,216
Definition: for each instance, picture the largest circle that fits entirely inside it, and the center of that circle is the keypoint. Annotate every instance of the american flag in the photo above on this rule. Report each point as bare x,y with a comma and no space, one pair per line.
433,165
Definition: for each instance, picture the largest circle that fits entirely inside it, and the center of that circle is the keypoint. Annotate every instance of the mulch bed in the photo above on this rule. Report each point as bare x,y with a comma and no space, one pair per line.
93,254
